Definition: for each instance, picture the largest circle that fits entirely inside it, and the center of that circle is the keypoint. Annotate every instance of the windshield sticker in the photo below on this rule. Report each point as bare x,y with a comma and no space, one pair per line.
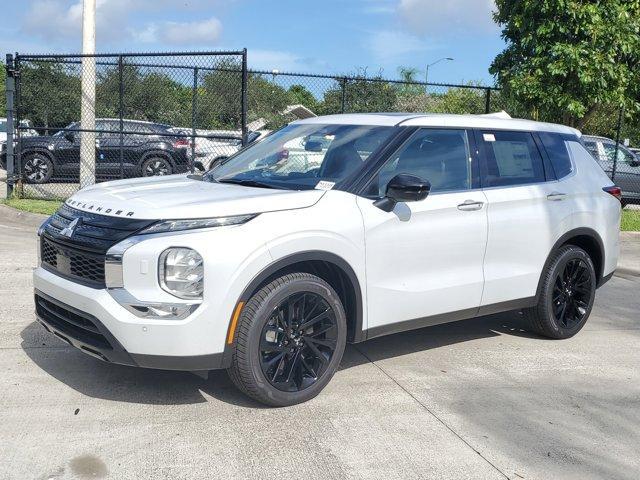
324,185
489,137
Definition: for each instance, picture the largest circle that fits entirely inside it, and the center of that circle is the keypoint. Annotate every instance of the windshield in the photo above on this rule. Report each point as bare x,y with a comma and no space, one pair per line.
297,157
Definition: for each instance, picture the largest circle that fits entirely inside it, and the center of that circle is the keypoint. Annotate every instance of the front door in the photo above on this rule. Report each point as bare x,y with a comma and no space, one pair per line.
424,259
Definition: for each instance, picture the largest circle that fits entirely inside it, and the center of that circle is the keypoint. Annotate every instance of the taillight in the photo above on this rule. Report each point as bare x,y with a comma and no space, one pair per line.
615,191
181,143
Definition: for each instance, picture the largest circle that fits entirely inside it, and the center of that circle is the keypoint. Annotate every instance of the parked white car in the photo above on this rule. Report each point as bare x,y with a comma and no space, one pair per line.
267,266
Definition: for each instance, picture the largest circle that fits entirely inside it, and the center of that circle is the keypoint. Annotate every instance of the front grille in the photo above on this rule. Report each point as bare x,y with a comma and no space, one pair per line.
81,257
71,323
73,263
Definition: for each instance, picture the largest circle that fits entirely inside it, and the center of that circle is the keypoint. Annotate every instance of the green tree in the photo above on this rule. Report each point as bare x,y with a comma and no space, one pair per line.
567,58
151,96
300,95
50,94
361,95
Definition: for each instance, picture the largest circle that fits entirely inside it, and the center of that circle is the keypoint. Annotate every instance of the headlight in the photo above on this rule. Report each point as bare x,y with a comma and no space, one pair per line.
181,272
177,225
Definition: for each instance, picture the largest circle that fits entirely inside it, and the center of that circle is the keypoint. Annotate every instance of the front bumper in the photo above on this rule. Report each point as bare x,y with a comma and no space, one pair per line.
90,320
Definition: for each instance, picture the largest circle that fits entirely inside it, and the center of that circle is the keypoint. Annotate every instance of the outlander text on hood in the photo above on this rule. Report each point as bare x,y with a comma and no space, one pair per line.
331,230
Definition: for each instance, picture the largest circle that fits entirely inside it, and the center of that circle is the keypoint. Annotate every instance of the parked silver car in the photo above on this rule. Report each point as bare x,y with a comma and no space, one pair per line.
624,169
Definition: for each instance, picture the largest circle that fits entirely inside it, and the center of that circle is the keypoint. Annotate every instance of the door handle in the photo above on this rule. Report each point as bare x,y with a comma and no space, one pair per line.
470,205
556,196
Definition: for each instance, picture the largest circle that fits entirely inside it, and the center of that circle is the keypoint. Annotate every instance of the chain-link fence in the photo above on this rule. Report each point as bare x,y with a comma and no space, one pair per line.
155,114
166,113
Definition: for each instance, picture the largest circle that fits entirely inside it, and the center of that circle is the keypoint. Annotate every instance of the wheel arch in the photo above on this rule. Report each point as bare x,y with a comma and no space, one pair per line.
330,267
587,239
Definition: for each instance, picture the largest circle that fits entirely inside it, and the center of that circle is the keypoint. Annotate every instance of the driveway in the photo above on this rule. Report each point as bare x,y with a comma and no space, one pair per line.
478,399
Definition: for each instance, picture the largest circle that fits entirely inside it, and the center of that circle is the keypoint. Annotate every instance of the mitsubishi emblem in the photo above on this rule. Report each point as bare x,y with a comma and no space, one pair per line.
70,229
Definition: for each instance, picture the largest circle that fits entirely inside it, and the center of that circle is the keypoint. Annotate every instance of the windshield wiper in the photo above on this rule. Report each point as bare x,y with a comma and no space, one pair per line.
248,183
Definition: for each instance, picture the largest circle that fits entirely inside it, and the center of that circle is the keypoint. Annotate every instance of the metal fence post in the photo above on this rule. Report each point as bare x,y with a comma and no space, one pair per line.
618,133
194,110
344,95
244,99
17,152
121,111
487,104
10,90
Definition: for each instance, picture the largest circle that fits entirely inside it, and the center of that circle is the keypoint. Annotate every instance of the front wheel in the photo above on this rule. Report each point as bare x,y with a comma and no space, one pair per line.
290,339
567,294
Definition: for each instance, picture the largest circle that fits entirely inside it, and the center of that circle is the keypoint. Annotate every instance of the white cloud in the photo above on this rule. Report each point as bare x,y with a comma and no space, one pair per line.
437,17
61,20
201,33
391,44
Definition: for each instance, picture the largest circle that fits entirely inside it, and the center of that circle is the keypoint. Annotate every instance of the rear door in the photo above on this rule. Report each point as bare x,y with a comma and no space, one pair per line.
528,210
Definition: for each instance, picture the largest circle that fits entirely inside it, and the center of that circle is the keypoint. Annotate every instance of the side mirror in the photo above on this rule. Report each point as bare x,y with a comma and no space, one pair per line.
403,188
313,146
70,136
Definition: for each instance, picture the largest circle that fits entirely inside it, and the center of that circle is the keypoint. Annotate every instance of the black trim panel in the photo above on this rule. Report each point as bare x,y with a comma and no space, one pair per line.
188,364
466,314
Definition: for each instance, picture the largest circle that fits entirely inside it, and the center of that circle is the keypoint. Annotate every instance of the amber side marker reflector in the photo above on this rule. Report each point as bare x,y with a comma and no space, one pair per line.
234,322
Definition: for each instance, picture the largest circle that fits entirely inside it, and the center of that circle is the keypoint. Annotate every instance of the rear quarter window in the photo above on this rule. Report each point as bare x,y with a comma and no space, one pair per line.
556,148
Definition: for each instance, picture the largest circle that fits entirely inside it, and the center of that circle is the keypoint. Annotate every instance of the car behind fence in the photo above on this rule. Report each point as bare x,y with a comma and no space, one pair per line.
164,113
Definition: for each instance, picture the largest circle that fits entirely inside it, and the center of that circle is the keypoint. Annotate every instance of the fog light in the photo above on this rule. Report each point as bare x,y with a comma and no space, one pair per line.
181,272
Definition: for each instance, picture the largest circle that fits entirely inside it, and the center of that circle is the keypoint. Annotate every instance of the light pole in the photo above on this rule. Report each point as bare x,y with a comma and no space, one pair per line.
426,77
88,96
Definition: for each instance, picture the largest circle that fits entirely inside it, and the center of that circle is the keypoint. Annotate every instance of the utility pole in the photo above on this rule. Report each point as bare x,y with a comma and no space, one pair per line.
88,96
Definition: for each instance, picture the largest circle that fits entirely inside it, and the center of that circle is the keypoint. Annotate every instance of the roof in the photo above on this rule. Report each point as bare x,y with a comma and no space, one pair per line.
490,121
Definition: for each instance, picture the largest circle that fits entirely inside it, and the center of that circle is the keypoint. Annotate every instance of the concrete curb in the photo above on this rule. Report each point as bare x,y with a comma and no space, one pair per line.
27,218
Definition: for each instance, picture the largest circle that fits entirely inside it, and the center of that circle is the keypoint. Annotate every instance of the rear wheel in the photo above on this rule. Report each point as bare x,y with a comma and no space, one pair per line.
37,168
156,166
289,340
567,295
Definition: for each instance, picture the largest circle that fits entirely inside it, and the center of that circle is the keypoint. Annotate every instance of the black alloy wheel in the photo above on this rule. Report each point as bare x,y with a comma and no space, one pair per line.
289,340
572,293
298,342
566,294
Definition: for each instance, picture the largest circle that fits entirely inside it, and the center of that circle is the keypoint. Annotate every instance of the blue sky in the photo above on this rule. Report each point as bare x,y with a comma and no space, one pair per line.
328,36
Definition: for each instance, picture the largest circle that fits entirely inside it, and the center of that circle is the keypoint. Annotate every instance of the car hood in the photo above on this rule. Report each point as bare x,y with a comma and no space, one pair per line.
177,196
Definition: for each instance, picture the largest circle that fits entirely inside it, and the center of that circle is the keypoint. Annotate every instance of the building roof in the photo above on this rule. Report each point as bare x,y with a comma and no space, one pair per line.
491,121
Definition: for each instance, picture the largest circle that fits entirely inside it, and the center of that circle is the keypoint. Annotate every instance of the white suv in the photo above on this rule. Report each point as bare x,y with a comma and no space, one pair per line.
267,265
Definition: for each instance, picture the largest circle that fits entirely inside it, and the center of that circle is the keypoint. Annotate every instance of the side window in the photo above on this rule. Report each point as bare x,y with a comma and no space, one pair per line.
556,148
511,158
439,156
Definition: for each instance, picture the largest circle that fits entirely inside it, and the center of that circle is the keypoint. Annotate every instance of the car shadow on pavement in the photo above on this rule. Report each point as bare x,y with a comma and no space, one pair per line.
98,379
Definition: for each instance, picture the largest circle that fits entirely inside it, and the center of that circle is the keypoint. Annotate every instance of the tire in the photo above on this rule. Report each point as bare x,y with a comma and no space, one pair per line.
281,369
37,168
567,294
156,166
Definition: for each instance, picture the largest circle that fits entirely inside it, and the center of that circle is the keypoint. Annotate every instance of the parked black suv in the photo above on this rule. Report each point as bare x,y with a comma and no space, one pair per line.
148,149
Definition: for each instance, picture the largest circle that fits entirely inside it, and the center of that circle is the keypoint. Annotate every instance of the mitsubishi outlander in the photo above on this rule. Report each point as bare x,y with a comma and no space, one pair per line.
373,224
